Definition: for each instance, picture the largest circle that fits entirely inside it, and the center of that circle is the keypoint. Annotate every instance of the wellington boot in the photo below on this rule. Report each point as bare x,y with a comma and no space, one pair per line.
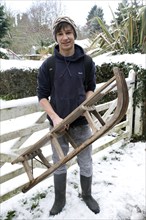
60,193
86,194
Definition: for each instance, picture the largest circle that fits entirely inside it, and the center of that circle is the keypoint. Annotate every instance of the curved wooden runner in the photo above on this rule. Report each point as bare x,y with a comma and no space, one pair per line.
87,108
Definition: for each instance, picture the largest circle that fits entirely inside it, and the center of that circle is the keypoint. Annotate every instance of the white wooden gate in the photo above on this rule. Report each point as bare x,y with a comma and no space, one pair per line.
17,136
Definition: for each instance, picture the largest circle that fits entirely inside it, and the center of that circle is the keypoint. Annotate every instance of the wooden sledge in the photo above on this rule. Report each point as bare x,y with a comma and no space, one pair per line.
87,108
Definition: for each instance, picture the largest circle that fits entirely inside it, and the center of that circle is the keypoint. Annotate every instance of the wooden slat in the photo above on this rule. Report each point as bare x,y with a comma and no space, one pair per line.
21,141
98,116
42,118
57,147
90,121
43,159
23,132
17,111
11,175
28,170
109,110
71,141
33,147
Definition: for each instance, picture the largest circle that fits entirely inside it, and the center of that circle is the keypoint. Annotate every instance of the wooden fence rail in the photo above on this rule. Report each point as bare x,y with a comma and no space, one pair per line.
17,136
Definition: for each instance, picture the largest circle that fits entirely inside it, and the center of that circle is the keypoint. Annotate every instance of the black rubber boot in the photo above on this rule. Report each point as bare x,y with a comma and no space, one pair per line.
86,194
60,193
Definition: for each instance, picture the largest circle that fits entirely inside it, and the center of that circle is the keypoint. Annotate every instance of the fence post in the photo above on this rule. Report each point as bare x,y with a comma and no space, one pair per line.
138,121
129,127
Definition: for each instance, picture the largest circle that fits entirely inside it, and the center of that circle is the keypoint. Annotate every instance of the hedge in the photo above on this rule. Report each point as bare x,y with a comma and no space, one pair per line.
21,83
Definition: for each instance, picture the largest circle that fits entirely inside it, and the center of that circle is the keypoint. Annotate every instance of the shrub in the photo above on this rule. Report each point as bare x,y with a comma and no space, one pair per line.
18,83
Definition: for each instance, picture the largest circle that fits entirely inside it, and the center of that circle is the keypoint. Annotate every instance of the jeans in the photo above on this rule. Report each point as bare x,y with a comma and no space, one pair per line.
84,159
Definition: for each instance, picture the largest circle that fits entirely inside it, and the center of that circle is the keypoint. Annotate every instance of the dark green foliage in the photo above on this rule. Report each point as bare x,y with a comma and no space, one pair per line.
18,83
104,73
122,7
36,199
3,56
4,26
92,23
10,215
136,138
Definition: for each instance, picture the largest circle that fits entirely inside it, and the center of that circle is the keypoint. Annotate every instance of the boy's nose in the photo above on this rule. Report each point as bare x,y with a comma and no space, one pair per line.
65,36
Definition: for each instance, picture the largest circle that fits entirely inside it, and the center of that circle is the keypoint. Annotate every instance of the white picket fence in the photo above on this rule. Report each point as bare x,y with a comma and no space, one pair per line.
17,135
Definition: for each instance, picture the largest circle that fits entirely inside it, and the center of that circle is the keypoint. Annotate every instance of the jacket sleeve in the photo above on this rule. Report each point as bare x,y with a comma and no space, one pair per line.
43,82
91,79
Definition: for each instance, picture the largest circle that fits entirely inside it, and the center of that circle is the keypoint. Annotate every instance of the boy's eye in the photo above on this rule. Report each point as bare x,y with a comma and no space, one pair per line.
59,33
69,32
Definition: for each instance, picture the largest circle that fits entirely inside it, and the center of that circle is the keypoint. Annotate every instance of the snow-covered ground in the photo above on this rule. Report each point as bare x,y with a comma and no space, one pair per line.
118,186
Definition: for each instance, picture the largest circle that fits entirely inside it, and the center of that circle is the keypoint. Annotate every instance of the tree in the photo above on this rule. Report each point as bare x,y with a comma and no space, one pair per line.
125,8
121,13
45,12
4,27
42,16
92,22
34,28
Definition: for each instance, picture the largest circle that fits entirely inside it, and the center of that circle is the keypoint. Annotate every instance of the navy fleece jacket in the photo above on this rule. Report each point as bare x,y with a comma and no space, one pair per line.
68,89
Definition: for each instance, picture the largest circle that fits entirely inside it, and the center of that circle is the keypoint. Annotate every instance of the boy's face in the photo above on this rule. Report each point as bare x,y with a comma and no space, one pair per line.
65,38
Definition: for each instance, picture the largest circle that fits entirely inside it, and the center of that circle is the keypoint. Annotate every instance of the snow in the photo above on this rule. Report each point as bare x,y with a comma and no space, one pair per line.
118,174
21,102
138,59
19,64
118,186
3,50
85,43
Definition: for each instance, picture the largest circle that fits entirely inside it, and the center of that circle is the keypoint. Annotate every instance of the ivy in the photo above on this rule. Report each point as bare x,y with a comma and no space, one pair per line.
105,72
